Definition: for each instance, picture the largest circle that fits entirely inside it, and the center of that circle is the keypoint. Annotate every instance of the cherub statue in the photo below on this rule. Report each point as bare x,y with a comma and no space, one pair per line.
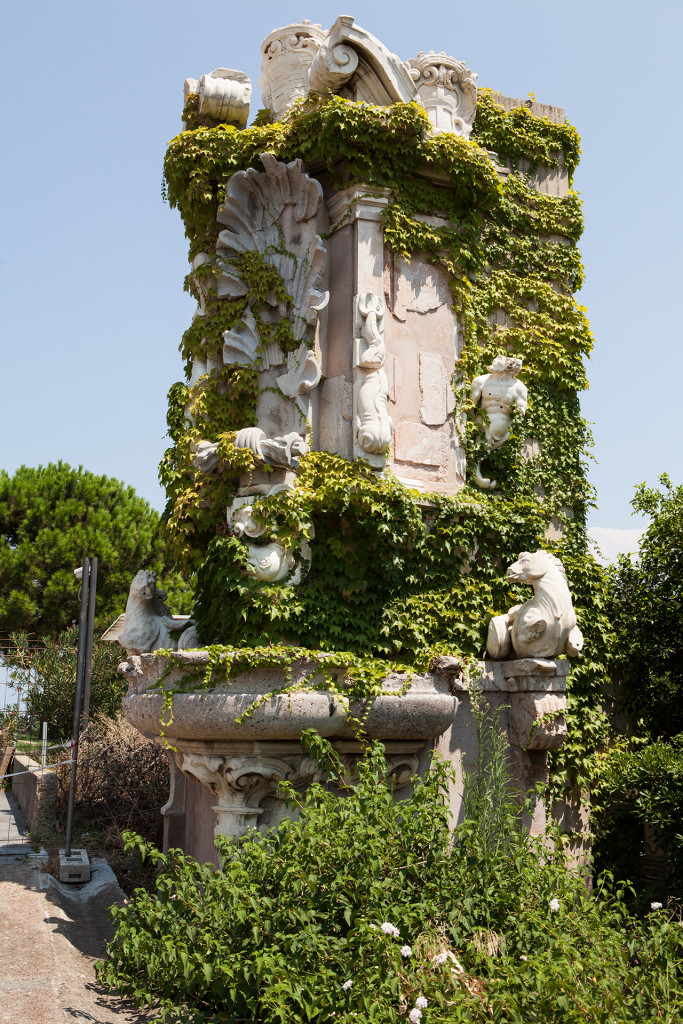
497,392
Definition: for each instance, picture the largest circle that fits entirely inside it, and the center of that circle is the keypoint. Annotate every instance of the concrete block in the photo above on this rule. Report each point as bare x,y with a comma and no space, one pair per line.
75,868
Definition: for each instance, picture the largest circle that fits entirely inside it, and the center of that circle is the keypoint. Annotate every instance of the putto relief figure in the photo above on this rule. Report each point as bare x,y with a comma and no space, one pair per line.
543,627
498,392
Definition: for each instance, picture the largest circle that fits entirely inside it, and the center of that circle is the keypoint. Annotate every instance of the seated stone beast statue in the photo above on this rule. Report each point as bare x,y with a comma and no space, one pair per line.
148,623
543,627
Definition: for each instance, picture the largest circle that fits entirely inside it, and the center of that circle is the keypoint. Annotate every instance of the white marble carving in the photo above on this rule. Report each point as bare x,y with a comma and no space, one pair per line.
148,622
447,89
301,378
498,392
273,213
271,562
543,627
380,77
283,452
350,61
372,435
225,94
332,66
287,57
241,782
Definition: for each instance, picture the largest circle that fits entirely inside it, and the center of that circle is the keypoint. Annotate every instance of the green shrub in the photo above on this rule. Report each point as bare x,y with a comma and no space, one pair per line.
370,910
642,789
46,671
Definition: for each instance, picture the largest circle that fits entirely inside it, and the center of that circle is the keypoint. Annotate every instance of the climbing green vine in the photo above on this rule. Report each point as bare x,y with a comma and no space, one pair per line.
398,575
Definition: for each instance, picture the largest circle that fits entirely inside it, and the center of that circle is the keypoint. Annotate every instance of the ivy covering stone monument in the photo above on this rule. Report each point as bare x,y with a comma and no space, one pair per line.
380,415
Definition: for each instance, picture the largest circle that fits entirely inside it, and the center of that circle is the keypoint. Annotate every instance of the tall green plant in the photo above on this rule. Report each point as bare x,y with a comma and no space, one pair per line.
370,909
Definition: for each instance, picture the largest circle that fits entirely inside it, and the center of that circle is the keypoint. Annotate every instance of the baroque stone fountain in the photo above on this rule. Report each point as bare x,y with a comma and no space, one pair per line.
370,371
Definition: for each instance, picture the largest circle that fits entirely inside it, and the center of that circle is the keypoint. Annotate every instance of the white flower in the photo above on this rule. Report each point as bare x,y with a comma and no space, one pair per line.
554,906
373,927
347,985
655,906
390,929
415,1016
421,1003
522,957
406,951
440,958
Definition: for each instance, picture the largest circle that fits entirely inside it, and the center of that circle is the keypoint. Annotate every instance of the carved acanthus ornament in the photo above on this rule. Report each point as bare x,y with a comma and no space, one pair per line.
372,435
447,89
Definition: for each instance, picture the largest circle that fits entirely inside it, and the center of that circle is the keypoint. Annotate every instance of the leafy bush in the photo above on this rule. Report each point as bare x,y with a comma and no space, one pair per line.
46,673
640,797
370,910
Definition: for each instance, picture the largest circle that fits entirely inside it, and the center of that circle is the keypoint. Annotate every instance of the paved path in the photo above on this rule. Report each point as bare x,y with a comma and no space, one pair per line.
52,935
14,839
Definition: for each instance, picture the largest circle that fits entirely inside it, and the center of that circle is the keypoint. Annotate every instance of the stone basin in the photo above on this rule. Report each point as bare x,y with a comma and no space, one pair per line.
412,707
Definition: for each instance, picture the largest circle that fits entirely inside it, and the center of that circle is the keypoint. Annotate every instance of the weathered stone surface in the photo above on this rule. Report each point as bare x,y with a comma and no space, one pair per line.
427,717
422,712
420,445
335,413
535,667
538,722
433,389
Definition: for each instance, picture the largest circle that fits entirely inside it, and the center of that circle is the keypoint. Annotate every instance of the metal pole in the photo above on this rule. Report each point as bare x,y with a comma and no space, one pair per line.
43,752
92,590
78,698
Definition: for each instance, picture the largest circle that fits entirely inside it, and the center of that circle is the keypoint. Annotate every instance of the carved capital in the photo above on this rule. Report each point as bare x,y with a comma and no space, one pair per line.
287,57
241,782
447,89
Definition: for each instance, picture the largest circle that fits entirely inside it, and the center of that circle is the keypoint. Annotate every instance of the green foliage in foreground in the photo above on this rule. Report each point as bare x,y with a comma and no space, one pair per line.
638,790
488,926
641,789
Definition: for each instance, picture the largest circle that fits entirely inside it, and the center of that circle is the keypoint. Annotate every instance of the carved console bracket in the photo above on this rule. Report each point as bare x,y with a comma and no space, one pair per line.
372,425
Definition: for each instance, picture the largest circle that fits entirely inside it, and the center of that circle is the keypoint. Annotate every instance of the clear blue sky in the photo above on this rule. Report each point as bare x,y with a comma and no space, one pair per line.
93,261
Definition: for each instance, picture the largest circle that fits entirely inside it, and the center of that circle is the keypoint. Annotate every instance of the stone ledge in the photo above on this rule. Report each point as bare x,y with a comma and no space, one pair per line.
36,793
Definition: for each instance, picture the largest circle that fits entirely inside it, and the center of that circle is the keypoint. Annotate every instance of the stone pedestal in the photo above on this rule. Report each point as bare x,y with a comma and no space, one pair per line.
225,773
